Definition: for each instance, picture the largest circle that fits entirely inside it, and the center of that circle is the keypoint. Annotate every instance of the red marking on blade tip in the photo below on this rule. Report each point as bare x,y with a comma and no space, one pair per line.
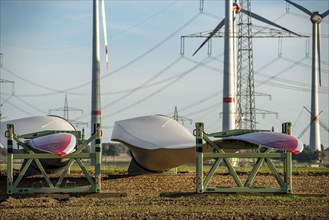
61,154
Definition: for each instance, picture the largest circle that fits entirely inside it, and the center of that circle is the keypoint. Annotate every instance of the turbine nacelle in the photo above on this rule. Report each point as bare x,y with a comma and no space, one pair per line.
236,7
316,18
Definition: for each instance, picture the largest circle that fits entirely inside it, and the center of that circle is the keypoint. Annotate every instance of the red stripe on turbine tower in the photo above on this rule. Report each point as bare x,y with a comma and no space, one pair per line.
229,99
96,113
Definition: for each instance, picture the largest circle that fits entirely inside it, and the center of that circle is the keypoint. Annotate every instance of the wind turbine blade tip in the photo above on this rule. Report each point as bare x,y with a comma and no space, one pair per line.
300,7
219,26
104,31
196,51
319,55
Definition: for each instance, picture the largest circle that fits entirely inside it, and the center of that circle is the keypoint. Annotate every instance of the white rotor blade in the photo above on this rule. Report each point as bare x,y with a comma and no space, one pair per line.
324,14
219,26
105,34
260,18
319,54
300,7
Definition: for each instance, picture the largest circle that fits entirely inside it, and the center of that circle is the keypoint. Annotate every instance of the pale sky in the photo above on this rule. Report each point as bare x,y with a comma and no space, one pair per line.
46,47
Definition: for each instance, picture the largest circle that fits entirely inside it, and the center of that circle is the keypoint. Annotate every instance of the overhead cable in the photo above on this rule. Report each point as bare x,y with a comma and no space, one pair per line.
111,36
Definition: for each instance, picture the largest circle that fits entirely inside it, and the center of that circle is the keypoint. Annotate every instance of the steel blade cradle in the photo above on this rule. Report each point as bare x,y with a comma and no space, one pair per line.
53,185
219,155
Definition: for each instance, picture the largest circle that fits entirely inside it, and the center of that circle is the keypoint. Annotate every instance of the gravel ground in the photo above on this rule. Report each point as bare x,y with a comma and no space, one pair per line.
164,196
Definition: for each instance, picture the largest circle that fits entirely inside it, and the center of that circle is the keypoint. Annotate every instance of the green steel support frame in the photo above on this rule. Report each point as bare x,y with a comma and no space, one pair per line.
265,156
57,186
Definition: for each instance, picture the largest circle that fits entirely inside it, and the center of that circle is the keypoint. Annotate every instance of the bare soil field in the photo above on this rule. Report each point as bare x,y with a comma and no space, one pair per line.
172,196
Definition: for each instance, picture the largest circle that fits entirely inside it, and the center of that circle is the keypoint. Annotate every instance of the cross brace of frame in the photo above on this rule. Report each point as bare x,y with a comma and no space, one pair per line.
263,156
62,184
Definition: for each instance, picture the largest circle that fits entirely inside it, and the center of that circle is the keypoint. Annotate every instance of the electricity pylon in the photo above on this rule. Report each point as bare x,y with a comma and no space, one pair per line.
66,109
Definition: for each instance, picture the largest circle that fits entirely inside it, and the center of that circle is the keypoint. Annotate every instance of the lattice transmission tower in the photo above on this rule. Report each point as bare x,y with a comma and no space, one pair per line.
66,109
246,104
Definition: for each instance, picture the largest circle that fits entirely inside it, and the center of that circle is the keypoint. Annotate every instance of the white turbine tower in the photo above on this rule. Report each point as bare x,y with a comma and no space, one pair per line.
316,18
95,87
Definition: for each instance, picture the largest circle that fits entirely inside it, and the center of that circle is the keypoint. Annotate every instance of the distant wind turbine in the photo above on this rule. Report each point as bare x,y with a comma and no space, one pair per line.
316,18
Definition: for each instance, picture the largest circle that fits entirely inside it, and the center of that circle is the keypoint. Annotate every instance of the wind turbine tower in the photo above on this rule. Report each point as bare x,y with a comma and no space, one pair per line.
316,18
229,73
95,90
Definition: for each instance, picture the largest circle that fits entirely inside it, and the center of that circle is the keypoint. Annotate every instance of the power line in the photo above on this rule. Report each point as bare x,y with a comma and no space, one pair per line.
277,85
207,108
55,92
20,108
111,36
31,82
144,20
185,73
281,72
145,53
295,62
67,91
30,105
144,84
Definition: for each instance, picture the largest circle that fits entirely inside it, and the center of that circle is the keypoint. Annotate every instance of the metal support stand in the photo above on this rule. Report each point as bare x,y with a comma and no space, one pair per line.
59,185
264,156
